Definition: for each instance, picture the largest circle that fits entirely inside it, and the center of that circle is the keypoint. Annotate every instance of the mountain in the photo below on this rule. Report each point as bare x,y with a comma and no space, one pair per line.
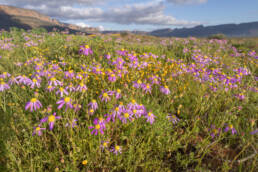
29,19
230,30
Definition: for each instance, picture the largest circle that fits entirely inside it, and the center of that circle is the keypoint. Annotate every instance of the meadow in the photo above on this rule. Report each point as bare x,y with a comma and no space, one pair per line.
127,103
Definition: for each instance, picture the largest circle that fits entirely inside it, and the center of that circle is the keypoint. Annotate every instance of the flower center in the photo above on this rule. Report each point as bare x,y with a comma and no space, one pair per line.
105,95
37,129
126,115
149,114
117,148
118,91
97,126
51,118
33,100
53,79
67,99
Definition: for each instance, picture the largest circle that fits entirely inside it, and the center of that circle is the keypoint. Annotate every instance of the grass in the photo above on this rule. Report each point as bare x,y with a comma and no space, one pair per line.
211,86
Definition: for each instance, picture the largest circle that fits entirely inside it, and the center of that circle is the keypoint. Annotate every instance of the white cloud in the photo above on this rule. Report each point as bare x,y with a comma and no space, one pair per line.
187,1
51,3
151,13
81,24
101,28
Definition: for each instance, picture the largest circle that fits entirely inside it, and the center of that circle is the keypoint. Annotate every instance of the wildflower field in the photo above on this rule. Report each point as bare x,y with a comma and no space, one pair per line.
126,103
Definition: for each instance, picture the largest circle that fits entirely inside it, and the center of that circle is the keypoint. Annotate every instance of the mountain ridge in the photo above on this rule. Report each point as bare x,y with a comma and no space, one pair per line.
11,16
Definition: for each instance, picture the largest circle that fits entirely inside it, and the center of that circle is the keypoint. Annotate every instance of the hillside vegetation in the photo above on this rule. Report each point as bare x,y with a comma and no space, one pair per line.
126,103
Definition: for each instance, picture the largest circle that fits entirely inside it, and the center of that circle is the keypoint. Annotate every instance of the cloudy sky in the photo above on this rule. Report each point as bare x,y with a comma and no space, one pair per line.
143,14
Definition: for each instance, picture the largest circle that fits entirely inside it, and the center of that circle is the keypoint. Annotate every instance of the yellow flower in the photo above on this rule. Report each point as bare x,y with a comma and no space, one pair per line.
84,162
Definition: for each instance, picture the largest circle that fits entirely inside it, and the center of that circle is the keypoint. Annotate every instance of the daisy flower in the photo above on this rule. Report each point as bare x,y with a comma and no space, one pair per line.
93,104
3,86
38,130
54,81
150,117
173,118
230,127
65,101
116,149
165,90
61,91
33,104
98,127
51,119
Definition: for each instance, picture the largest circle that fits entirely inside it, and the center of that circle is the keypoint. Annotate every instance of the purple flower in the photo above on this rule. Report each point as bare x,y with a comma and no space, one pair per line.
93,105
70,88
51,119
104,145
12,81
150,117
73,124
61,91
105,97
50,88
115,113
116,149
137,84
99,126
173,118
112,77
23,79
118,94
108,56
34,82
127,115
85,50
69,74
214,131
5,75
54,81
37,130
3,86
230,127
81,87
33,104
146,88
240,96
65,101
254,132
165,90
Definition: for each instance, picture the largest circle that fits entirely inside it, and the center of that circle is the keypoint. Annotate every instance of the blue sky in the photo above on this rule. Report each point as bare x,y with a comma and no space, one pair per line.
144,14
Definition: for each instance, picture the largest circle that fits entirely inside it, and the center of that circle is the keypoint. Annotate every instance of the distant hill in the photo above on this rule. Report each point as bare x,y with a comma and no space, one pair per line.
29,19
230,30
